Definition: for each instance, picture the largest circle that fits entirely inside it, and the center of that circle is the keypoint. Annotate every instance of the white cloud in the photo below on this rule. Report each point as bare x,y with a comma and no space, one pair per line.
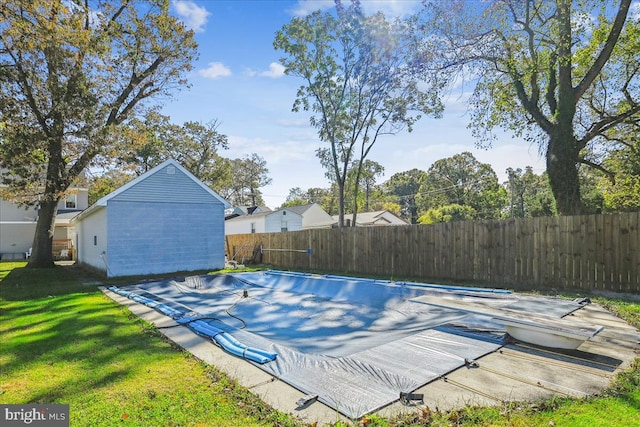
306,7
215,70
388,7
275,71
194,16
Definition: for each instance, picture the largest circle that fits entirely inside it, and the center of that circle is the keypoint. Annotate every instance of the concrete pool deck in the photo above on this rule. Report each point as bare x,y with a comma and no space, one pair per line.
515,372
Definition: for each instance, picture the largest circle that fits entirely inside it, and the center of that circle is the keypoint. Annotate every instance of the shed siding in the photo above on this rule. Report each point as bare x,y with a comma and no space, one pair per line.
92,240
153,237
164,186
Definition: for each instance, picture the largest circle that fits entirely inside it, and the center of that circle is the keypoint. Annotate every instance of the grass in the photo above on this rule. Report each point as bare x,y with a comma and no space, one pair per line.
65,342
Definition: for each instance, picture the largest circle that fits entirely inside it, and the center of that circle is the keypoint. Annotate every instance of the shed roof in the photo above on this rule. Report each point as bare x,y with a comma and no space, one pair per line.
171,162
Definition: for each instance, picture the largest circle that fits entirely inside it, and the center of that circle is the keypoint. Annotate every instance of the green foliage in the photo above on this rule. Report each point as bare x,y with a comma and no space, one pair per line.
248,175
529,194
591,195
448,213
622,193
462,180
358,83
361,178
405,186
325,197
100,186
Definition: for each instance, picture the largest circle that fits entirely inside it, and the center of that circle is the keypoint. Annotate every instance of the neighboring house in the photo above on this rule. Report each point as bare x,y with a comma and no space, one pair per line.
244,210
373,219
264,222
18,226
313,216
164,221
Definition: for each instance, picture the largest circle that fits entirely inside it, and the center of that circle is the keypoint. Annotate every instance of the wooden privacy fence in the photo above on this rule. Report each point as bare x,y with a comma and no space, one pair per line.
590,252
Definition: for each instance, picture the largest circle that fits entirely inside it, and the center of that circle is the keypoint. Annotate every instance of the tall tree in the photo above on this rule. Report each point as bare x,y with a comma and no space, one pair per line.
405,186
623,192
359,82
195,145
248,175
562,73
529,194
72,73
463,180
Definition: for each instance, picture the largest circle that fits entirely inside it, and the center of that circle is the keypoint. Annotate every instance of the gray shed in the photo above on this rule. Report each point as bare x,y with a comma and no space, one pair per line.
164,221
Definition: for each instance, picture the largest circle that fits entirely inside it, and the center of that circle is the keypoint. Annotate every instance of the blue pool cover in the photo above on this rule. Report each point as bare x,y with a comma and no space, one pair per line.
356,344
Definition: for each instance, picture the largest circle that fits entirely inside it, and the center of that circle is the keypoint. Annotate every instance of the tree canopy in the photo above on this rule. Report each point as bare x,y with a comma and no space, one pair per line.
463,180
405,186
564,74
72,74
359,83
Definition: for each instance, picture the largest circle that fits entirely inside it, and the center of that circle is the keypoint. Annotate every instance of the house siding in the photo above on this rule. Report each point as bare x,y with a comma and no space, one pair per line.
17,227
92,240
242,225
273,222
160,237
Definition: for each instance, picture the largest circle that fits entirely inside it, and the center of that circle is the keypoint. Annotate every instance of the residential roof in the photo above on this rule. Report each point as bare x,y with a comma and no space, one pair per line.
301,209
260,214
373,218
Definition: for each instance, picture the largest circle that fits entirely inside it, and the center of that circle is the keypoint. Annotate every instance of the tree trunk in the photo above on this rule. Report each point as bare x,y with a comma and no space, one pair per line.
42,252
340,203
413,208
562,161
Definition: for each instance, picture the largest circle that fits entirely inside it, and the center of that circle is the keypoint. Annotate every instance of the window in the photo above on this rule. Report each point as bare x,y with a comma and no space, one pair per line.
253,228
284,212
95,240
283,226
70,202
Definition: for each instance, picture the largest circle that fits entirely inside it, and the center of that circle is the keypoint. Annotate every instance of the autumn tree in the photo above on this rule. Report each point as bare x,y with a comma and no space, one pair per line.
72,74
359,83
563,74
105,183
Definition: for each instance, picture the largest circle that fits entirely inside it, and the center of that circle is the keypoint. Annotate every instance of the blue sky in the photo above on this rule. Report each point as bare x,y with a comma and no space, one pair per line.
238,81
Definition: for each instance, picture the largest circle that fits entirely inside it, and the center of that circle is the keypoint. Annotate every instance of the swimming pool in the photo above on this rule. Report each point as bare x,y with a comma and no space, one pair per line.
356,344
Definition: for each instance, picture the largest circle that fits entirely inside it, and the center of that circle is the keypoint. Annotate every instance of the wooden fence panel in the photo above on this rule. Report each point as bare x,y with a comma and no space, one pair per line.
589,252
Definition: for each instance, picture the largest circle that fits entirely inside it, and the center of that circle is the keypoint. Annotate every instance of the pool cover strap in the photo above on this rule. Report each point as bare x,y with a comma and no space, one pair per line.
225,340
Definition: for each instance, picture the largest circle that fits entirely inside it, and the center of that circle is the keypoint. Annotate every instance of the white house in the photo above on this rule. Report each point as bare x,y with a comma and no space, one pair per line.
373,219
313,216
264,222
164,221
18,225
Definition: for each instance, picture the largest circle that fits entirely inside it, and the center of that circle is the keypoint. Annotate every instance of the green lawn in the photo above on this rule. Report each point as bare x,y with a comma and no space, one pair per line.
65,342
